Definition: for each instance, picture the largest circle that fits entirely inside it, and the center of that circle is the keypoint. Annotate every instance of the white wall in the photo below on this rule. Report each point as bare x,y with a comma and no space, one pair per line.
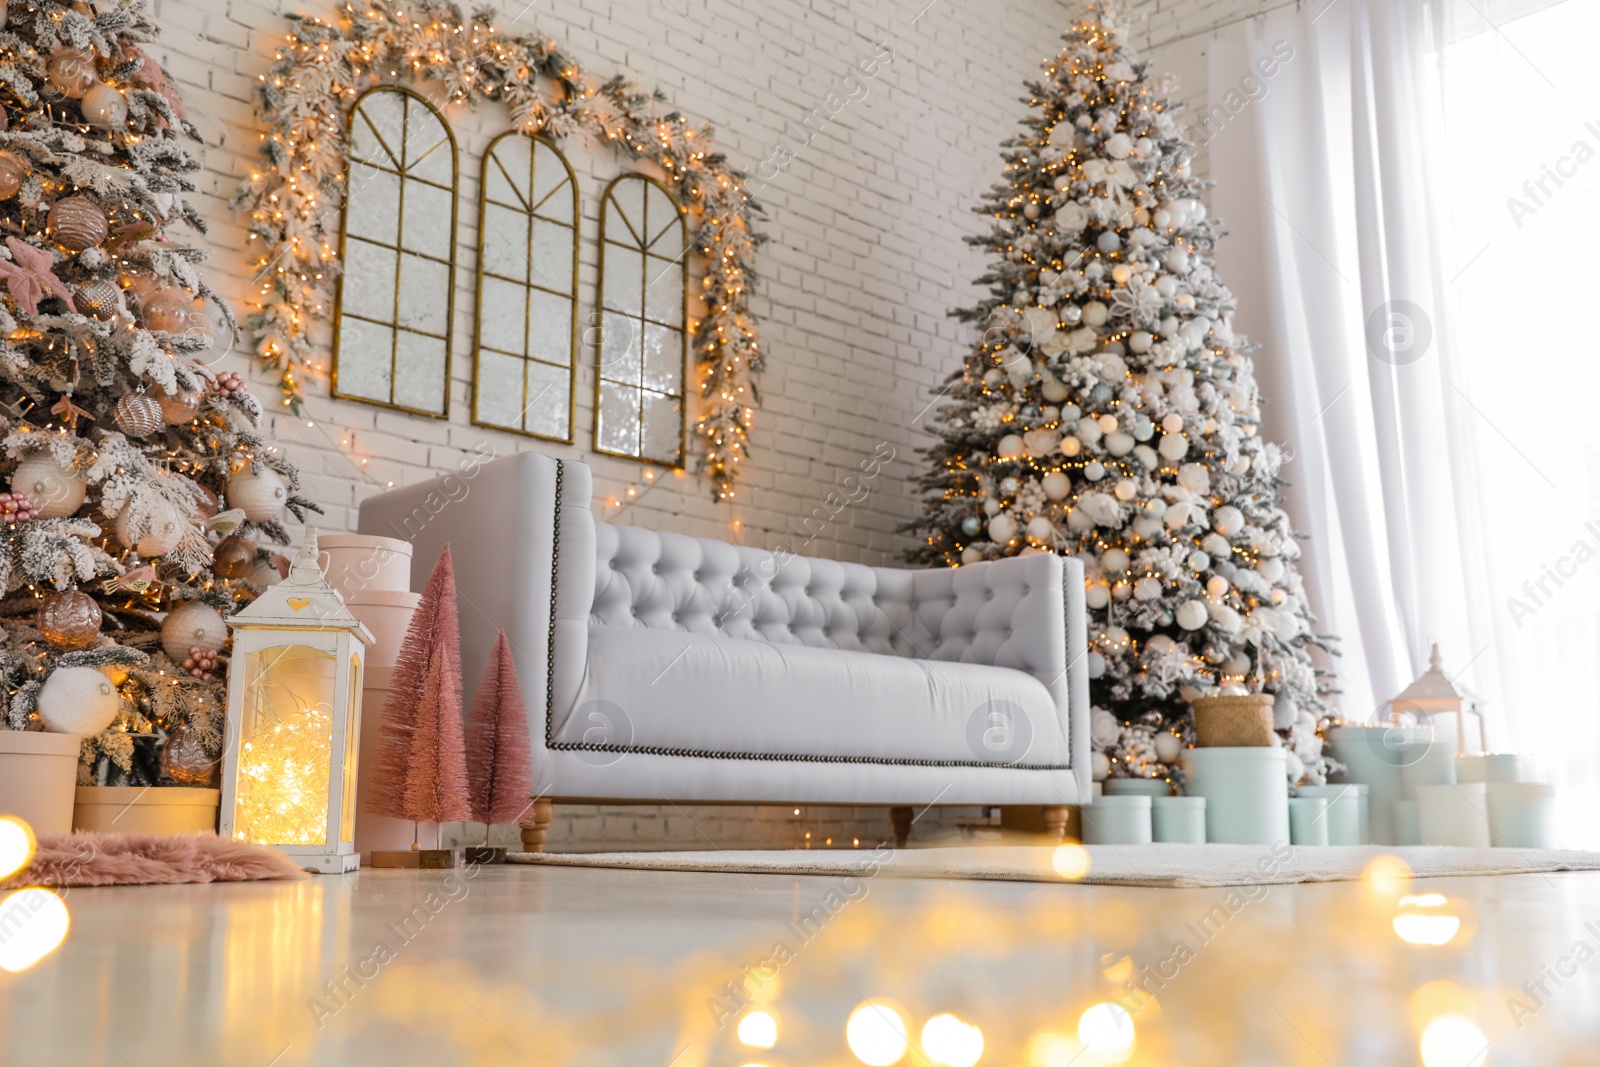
866,254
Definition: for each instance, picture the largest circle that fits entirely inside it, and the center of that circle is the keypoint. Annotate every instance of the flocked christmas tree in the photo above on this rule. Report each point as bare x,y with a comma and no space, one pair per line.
1109,412
137,483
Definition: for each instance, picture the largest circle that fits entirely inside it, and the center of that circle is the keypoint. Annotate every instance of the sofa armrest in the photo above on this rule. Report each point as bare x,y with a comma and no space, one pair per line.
501,518
1022,612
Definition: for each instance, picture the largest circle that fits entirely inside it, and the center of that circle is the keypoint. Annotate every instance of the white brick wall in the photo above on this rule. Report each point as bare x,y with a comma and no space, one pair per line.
866,254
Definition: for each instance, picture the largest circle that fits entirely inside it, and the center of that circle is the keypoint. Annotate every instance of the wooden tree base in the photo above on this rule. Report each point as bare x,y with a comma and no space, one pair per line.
482,854
417,859
533,837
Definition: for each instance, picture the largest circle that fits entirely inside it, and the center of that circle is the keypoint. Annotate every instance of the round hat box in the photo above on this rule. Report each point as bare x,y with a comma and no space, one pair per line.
1123,820
366,563
1246,791
136,809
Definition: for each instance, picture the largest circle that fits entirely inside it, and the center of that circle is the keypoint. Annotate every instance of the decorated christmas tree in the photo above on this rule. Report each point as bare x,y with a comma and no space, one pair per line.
421,771
1110,412
138,489
499,757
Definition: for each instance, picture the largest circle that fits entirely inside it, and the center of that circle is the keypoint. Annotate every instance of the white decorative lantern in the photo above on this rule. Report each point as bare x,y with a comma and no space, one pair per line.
1434,694
294,717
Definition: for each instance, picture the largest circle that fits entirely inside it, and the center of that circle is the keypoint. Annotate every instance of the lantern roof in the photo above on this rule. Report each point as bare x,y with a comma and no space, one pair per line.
1434,689
302,601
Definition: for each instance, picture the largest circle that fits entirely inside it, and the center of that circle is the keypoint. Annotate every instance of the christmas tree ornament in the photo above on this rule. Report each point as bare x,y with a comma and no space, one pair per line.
71,72
266,572
178,408
99,299
55,491
185,761
166,310
227,382
104,107
78,700
189,625
138,415
69,619
15,508
233,557
155,532
200,662
77,223
262,494
13,172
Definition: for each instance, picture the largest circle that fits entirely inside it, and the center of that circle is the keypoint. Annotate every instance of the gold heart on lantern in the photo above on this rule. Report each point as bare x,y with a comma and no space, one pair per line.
298,602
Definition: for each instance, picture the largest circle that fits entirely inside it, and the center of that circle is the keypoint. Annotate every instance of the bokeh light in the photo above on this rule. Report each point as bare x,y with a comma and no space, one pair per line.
1421,922
35,922
758,1029
1071,862
1050,1049
16,845
948,1041
1453,1041
1107,1031
876,1032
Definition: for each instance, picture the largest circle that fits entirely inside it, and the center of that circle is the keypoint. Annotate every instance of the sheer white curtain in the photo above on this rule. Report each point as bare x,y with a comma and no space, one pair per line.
1425,345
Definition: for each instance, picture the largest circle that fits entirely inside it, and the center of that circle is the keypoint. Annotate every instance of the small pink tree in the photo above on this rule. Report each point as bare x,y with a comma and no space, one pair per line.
421,766
499,757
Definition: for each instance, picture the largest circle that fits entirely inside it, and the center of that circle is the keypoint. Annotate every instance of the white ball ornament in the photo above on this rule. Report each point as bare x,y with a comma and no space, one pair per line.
1114,560
1147,456
1119,146
1146,527
1095,313
1140,341
1010,447
159,533
1040,529
1121,273
1056,485
54,490
1108,242
1216,586
1217,545
1270,568
1121,591
1009,485
1120,444
1199,562
261,496
1227,520
1030,210
972,554
78,700
1192,614
1053,391
1177,261
1099,762
1002,528
971,525
1147,588
991,507
1173,446
1167,286
1172,422
1097,594
1107,423
192,624
1168,747
1094,470
104,107
1126,490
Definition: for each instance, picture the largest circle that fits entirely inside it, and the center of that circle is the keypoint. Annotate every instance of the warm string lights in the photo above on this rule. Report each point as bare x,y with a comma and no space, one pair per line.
284,767
324,65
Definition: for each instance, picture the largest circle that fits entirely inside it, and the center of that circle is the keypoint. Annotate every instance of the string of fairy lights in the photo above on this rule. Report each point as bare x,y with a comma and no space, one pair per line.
324,65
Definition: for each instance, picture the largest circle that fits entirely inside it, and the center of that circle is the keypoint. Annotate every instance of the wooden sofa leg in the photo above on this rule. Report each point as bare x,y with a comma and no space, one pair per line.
900,822
1055,821
533,837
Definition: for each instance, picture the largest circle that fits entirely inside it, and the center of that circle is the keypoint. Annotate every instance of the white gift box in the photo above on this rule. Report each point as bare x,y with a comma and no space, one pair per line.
1246,792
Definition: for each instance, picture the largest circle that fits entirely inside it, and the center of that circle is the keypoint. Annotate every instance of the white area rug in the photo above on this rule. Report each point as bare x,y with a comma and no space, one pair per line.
1163,866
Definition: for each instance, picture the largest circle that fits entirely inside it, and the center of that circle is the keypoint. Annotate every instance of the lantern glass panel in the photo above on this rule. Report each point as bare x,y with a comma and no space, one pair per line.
286,747
352,740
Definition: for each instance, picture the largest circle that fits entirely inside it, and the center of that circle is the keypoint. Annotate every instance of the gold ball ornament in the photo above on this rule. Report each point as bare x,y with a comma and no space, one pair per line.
233,557
159,532
71,72
192,624
185,760
104,107
166,310
99,299
13,172
54,490
78,700
77,223
69,620
138,415
261,496
179,408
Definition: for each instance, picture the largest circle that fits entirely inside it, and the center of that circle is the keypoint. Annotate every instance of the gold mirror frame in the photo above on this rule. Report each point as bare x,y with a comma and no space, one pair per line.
682,330
531,211
399,251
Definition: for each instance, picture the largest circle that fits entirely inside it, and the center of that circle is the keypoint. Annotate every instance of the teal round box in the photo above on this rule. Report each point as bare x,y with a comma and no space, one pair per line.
1246,791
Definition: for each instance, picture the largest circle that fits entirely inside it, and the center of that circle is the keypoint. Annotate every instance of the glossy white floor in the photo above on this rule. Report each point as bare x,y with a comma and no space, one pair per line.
522,965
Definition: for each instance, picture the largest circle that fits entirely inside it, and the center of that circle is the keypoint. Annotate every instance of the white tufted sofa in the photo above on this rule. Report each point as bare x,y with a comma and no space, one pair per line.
663,667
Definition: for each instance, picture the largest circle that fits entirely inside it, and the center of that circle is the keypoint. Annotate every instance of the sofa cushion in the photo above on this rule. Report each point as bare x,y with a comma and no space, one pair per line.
675,691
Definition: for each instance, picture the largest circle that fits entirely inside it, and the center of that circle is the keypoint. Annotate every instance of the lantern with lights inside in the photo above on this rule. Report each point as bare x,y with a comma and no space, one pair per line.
294,717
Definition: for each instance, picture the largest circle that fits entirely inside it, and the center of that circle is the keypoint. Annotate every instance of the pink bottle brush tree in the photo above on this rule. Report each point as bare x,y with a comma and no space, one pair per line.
421,768
499,756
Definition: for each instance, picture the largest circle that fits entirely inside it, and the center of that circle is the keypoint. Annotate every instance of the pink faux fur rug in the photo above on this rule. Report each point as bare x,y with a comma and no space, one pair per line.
89,859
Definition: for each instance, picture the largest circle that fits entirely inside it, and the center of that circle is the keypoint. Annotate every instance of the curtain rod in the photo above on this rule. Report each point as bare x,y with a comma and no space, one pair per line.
1224,24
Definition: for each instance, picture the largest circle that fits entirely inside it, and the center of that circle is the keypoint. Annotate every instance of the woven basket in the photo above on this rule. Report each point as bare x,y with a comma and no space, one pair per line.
1233,722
